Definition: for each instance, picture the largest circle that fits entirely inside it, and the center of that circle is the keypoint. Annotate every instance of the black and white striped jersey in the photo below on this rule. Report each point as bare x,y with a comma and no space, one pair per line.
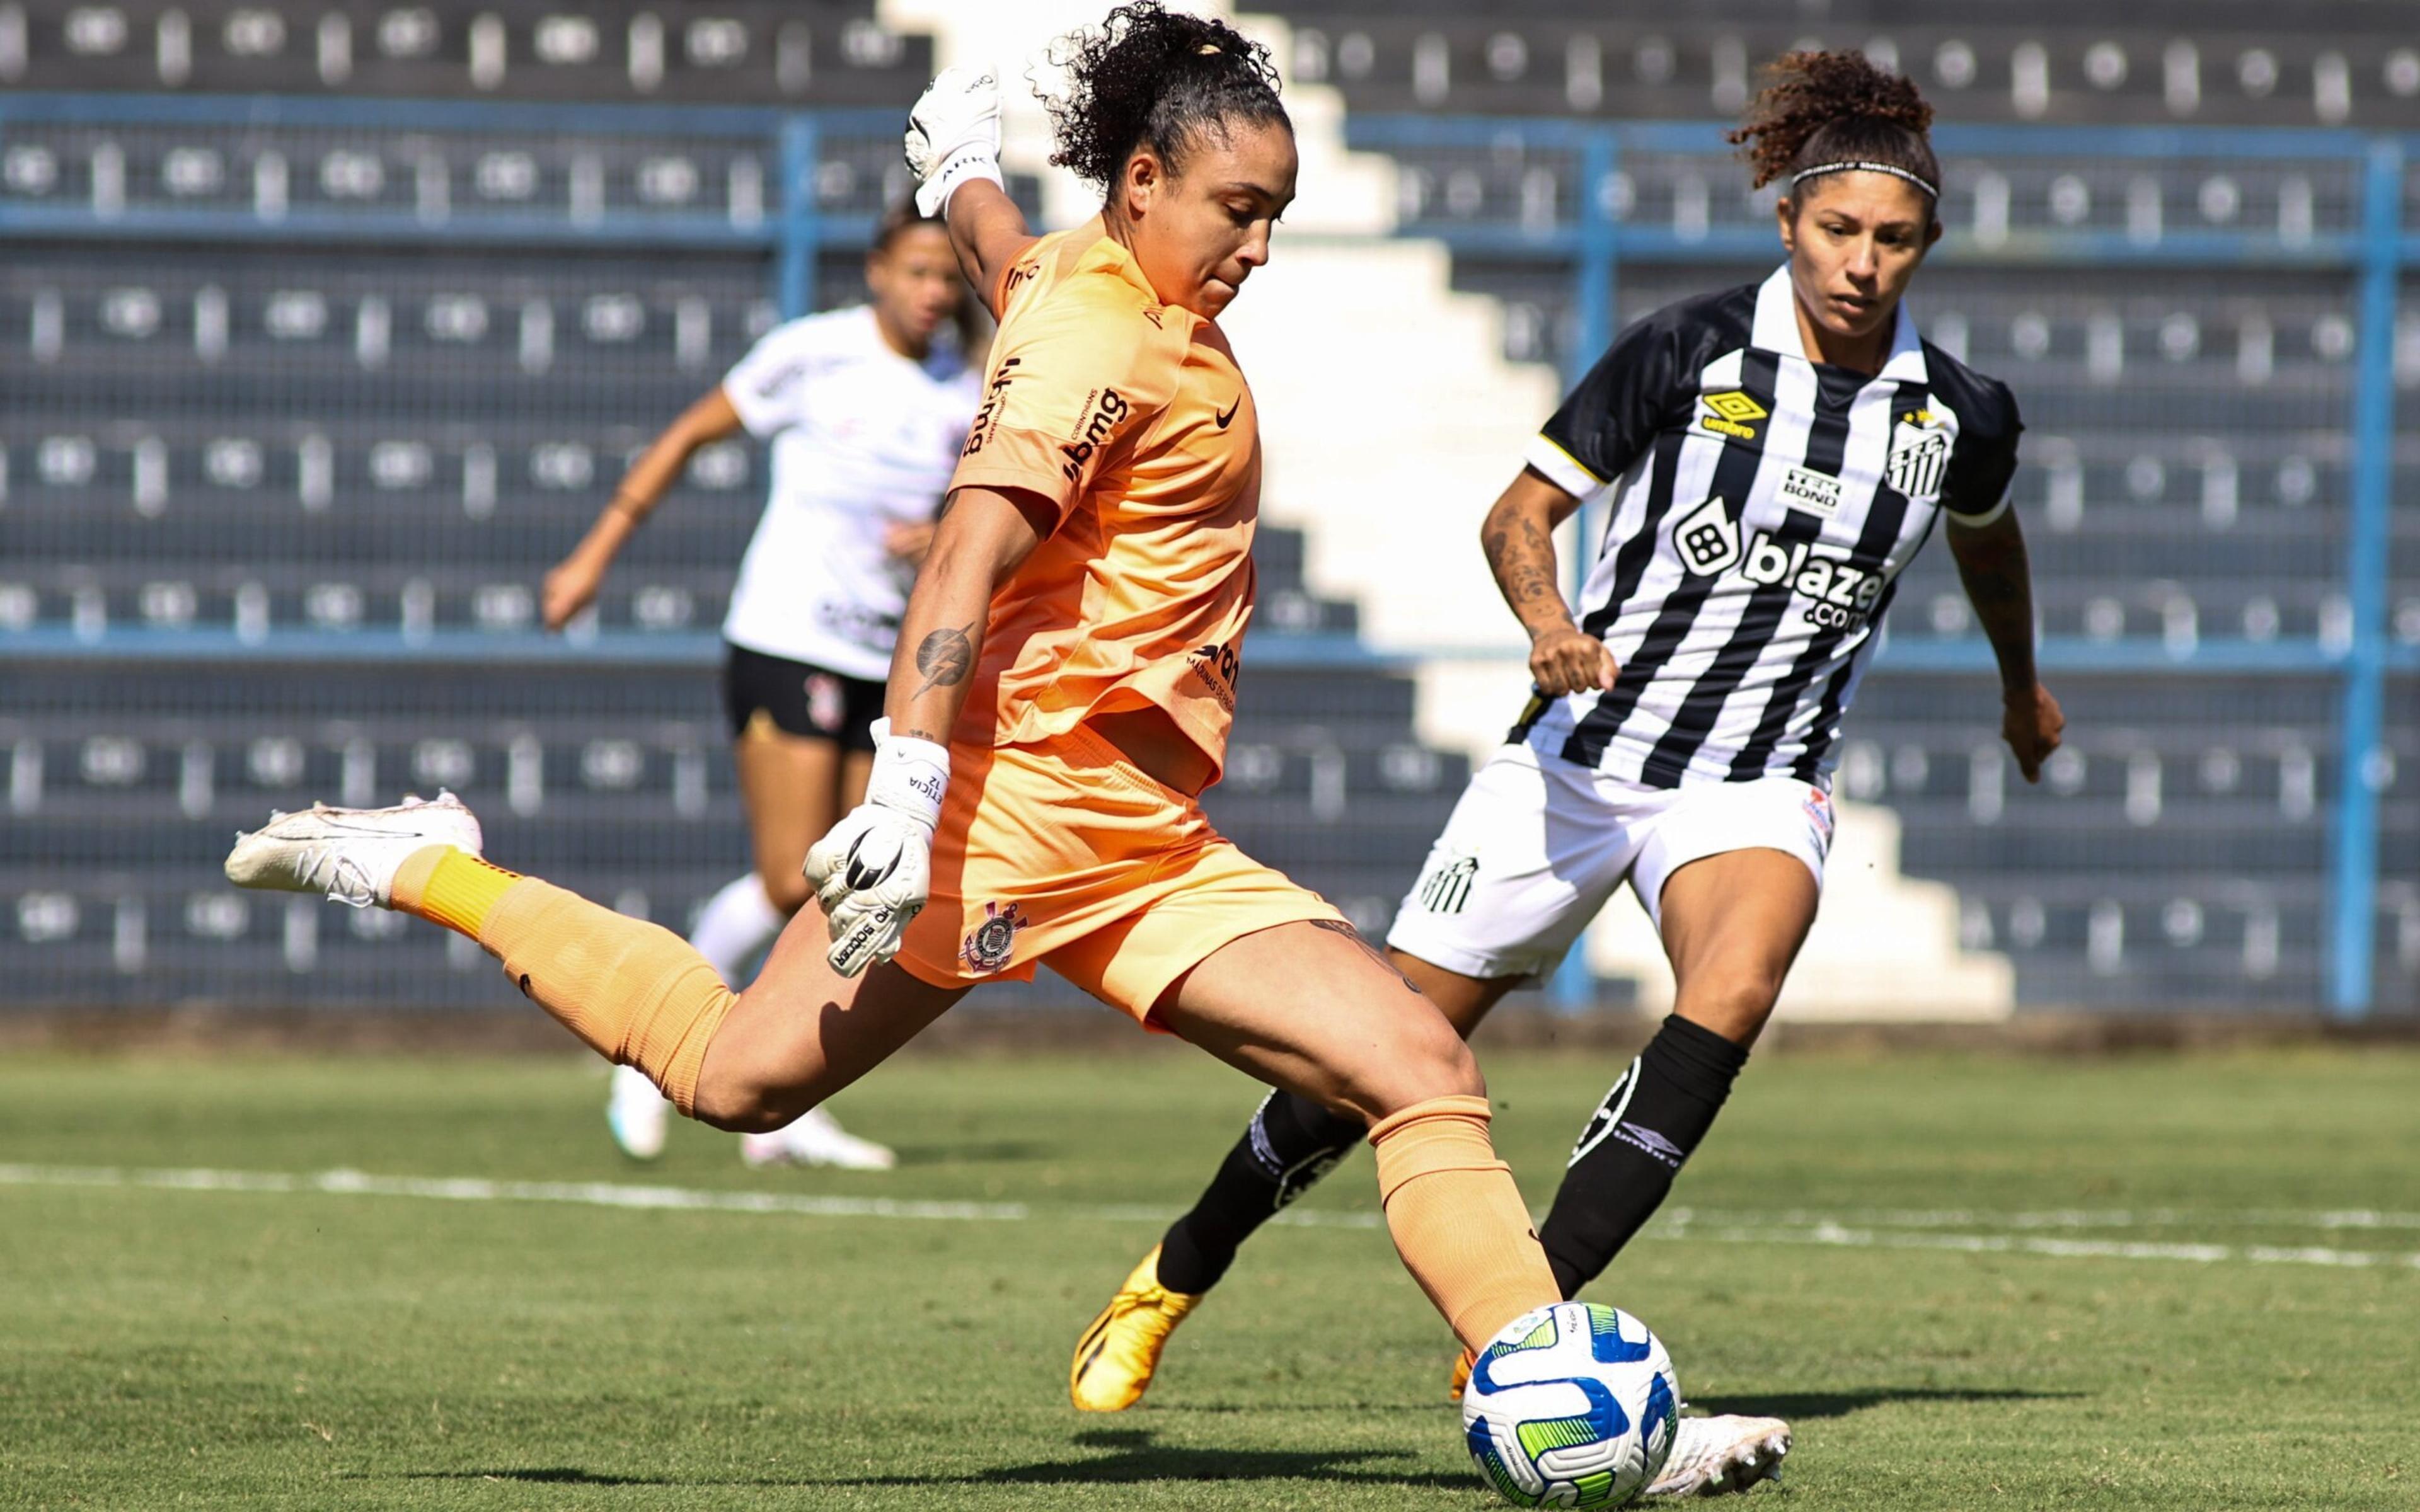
1759,507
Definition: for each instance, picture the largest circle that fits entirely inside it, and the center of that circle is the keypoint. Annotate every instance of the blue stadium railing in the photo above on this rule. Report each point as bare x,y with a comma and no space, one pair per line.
1592,245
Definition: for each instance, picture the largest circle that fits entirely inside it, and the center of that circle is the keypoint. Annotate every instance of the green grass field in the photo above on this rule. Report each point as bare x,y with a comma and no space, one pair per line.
1972,1284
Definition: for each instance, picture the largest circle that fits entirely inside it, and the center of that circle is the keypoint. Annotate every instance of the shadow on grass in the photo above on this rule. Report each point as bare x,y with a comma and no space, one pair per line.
1131,1459
1803,1405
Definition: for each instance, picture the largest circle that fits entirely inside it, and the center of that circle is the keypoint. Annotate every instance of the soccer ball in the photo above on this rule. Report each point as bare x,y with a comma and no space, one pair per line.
1573,1405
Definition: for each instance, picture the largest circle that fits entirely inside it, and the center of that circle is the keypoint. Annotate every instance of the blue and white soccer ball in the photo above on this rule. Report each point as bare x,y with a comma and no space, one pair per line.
1573,1405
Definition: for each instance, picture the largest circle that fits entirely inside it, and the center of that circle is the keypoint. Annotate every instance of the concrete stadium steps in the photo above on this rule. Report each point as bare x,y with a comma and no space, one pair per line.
817,52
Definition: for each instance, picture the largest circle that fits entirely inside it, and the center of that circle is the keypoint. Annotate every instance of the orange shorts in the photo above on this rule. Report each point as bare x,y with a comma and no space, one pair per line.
1064,853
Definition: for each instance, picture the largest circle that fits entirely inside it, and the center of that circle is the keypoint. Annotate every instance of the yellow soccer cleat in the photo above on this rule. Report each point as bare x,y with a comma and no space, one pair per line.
1115,1358
1462,1364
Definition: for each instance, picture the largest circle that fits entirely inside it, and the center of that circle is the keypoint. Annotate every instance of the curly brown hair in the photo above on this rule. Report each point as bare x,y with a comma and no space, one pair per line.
1835,107
1148,76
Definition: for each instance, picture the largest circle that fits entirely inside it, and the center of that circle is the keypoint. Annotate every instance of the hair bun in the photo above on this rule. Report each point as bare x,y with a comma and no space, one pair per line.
1805,92
1148,75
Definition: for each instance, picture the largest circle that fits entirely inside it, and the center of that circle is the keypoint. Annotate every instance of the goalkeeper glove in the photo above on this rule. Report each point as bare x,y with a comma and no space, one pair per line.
954,135
872,870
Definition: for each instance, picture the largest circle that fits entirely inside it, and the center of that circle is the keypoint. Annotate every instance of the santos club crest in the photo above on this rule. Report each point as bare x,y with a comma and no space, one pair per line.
1919,453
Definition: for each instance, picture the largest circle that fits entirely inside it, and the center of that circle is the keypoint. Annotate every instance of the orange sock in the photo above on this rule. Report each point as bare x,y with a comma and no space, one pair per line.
449,886
634,992
1457,1219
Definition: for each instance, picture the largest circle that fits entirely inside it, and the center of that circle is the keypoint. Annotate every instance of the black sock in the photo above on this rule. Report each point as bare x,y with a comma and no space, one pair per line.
1292,1143
1623,1167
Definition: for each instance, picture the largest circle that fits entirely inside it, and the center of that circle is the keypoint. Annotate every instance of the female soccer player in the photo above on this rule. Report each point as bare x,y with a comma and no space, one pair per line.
1062,691
864,408
1772,456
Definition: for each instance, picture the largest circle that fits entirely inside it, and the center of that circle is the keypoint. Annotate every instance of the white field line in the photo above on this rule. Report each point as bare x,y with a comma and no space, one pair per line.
1916,1230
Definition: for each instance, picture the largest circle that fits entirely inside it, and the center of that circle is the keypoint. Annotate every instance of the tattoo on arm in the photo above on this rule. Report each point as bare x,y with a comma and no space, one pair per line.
1337,926
1522,556
945,657
1999,584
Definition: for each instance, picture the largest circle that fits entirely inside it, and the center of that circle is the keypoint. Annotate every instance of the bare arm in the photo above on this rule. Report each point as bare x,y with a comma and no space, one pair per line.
1999,584
572,585
988,232
1518,538
983,535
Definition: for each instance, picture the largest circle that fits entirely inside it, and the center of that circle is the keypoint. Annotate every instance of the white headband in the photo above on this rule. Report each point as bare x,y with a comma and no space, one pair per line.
1822,168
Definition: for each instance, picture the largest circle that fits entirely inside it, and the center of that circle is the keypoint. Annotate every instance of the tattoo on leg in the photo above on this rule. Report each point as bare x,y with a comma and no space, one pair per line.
945,657
1337,926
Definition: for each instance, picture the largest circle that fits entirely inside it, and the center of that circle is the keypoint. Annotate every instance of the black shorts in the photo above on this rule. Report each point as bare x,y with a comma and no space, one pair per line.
800,699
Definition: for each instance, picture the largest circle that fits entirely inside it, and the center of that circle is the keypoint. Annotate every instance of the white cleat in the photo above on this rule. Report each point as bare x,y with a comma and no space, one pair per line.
1711,1456
815,1138
349,854
637,1114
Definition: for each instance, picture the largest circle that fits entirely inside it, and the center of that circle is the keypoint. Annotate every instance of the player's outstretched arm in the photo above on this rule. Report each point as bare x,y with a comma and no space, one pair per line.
989,233
952,147
873,872
1992,565
1518,538
572,585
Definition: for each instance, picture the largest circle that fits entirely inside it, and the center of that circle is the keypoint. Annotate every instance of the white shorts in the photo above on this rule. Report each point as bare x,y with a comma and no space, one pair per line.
1537,844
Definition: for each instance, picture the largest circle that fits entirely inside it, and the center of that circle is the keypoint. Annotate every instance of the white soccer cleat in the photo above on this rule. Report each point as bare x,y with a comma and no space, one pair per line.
1711,1456
349,854
637,1114
815,1138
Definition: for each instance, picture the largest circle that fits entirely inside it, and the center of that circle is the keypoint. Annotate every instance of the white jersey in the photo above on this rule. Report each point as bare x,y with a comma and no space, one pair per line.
862,439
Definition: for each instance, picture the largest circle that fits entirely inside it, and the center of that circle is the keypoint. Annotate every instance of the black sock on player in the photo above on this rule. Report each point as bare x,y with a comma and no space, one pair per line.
1292,1142
1633,1146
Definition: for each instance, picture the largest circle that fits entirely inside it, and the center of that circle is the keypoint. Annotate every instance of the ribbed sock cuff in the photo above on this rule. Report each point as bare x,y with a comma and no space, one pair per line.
450,886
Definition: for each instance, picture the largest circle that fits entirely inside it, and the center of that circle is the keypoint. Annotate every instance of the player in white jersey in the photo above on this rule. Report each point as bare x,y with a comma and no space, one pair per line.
1769,458
864,408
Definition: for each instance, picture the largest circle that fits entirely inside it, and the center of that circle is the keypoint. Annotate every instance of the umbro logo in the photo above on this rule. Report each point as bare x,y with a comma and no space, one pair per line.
1640,1138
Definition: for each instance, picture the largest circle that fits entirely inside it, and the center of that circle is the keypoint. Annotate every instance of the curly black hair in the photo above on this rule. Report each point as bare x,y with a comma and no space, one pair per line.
1148,76
1835,107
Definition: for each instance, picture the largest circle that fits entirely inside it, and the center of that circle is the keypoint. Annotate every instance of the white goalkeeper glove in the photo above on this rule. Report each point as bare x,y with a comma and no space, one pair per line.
954,135
872,870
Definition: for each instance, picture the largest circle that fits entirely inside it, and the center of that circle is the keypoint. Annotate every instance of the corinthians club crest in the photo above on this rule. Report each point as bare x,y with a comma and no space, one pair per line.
990,944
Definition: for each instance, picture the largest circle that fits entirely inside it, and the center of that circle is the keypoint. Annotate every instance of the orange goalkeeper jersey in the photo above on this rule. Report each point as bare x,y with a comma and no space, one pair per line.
1131,417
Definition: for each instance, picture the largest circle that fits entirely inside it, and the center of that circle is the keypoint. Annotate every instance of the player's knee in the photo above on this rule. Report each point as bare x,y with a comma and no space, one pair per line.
1432,1061
738,1102
1733,999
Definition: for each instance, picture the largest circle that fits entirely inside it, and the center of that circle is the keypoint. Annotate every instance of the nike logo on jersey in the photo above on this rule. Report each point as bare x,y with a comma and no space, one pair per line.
1231,411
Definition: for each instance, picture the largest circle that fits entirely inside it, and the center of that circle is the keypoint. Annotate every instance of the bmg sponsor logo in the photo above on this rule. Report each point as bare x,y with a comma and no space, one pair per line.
1103,410
995,398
